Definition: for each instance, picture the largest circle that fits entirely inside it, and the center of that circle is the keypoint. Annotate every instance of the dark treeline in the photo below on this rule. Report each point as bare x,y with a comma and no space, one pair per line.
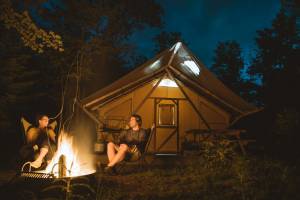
271,81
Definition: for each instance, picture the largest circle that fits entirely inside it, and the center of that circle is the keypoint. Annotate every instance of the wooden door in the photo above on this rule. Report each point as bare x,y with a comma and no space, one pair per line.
166,119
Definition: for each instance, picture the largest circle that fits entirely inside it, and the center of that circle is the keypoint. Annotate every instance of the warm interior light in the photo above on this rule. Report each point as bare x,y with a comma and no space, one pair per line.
167,83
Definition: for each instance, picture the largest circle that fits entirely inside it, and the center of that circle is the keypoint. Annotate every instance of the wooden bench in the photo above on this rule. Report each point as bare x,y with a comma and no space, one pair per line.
204,134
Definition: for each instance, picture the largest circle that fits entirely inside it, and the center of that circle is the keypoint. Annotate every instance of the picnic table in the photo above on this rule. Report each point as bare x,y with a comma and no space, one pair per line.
205,134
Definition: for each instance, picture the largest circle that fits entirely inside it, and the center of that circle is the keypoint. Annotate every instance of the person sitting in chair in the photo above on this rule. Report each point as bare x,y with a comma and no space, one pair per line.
130,143
41,139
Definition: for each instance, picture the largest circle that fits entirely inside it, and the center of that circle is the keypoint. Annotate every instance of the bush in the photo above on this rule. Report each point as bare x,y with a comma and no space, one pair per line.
218,153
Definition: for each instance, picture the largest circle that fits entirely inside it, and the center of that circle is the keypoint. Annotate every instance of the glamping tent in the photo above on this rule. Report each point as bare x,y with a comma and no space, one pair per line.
176,92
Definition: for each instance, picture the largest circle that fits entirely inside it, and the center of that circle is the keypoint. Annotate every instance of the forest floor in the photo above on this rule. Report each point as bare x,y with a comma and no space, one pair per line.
193,177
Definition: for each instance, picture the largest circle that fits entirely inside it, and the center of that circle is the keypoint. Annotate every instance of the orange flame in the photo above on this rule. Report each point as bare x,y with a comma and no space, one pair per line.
73,165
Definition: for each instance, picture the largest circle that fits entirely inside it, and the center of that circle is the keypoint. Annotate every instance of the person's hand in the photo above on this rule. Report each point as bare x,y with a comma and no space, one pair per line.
35,147
153,126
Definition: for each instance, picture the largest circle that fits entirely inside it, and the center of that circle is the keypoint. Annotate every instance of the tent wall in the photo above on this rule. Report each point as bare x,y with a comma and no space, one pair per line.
122,107
214,115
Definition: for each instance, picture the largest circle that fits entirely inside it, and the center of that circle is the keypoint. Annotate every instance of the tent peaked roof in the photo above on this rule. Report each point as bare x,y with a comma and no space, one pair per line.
181,64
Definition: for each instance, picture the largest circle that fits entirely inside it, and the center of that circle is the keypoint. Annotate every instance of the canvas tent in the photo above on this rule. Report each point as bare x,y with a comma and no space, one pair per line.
176,92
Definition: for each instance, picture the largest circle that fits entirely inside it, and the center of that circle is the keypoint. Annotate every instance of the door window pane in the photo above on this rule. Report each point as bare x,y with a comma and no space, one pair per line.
166,114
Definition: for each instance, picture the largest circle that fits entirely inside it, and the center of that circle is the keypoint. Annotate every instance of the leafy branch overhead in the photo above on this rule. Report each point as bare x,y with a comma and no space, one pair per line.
32,36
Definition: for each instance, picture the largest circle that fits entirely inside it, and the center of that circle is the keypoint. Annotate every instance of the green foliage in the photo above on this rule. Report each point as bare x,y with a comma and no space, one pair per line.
269,179
99,31
218,153
32,36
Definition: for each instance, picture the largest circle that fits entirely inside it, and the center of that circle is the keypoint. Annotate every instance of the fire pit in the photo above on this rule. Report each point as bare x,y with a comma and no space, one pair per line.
65,162
66,175
39,185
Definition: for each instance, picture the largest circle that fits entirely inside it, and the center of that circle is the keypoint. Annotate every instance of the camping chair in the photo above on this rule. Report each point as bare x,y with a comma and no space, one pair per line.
26,150
141,161
27,126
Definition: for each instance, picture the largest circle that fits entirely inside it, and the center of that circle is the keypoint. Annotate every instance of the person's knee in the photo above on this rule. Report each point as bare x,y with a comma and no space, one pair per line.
123,147
110,145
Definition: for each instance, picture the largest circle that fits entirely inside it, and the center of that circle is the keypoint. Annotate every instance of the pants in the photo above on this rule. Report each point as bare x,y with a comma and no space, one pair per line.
133,153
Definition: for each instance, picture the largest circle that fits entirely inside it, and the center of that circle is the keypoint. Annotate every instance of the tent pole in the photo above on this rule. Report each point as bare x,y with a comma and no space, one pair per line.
89,114
173,53
188,98
208,92
147,96
123,89
177,127
155,128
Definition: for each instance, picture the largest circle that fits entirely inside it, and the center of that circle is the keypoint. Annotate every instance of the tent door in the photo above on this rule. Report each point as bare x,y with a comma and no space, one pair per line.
166,118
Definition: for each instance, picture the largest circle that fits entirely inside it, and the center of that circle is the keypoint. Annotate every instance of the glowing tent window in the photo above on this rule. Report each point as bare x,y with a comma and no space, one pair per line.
167,83
192,66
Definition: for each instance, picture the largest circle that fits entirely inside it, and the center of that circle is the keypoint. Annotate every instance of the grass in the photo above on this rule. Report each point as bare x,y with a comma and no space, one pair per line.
219,172
244,178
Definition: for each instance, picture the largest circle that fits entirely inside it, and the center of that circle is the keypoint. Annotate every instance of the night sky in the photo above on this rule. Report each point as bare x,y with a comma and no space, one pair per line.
203,23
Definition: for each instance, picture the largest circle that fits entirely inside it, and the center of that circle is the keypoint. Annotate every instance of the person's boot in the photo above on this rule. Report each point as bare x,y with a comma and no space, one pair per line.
110,170
36,164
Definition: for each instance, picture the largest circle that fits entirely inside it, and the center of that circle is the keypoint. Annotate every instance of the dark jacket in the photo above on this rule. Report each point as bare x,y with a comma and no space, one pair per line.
131,137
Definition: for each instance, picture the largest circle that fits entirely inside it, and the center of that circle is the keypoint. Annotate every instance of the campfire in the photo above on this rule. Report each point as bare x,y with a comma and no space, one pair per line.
70,163
66,161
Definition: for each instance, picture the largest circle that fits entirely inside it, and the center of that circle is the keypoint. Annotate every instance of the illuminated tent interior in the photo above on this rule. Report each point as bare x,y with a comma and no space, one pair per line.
176,92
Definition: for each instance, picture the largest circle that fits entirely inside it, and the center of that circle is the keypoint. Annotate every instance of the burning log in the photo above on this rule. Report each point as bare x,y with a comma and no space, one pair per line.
62,168
66,161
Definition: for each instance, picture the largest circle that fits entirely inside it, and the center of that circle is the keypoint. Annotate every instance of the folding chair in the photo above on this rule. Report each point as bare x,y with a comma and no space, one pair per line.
27,126
27,152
